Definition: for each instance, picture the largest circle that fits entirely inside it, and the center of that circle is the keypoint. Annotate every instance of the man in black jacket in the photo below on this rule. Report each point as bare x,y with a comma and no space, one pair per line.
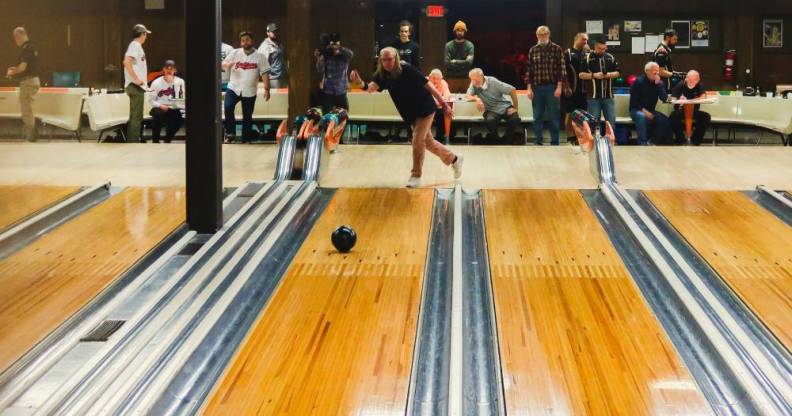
644,93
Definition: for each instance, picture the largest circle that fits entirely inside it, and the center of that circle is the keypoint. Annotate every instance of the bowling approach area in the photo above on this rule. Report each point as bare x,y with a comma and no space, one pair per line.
547,281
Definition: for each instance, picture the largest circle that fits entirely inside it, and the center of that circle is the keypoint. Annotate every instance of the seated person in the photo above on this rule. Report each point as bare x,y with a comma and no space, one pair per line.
167,103
442,123
488,93
689,89
644,93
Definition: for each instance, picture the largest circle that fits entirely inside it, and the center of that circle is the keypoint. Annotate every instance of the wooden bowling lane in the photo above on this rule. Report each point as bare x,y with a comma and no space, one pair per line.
18,202
337,336
747,245
576,336
43,284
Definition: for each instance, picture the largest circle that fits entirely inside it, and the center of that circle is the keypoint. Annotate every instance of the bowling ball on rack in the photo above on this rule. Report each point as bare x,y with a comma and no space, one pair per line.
342,115
314,114
328,118
343,238
631,80
619,82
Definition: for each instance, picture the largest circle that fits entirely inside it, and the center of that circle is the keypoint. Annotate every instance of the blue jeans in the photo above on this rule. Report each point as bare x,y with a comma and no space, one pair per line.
545,103
660,125
248,104
597,106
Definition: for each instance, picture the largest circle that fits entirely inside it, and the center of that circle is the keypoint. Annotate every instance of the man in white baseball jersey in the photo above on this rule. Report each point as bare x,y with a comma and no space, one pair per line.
135,75
167,102
247,66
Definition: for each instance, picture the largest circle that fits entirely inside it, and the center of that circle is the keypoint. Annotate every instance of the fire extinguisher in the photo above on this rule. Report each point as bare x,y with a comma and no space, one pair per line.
729,70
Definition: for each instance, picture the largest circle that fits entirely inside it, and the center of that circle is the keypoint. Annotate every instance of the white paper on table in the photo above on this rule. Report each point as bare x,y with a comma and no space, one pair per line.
594,27
651,42
638,45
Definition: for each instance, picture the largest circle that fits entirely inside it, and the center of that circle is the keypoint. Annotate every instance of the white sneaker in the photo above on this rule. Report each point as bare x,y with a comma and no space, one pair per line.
458,167
414,182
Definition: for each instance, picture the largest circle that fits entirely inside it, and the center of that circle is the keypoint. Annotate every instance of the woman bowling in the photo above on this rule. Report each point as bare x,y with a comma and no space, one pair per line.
412,94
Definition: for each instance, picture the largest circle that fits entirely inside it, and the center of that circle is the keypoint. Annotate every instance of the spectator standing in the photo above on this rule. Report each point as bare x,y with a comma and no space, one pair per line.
135,76
26,73
332,62
275,55
545,78
246,66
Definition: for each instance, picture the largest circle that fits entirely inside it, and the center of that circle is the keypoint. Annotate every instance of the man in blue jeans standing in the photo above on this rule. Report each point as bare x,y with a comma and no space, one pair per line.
247,66
545,76
644,93
599,70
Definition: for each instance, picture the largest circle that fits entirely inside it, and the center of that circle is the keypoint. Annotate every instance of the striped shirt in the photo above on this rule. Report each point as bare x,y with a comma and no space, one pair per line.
546,64
599,88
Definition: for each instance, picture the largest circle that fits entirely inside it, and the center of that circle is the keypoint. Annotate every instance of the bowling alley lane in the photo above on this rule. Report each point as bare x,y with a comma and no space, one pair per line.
745,244
575,334
337,336
18,202
46,282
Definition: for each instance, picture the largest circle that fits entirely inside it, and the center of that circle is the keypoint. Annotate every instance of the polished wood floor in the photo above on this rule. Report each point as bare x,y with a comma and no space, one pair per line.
18,202
388,166
337,337
53,277
576,337
748,246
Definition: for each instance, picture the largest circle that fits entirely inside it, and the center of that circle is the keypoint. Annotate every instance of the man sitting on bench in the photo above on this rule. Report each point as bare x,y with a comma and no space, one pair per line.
689,89
167,103
489,94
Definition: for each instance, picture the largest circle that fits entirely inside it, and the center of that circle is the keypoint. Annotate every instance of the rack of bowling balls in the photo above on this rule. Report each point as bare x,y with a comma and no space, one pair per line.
329,126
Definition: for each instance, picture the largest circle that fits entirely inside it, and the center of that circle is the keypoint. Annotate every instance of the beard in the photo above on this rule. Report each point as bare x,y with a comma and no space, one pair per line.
544,42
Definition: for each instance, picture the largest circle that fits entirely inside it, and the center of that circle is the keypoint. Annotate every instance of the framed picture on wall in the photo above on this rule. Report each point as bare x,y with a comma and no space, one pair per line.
632,26
699,34
773,33
682,28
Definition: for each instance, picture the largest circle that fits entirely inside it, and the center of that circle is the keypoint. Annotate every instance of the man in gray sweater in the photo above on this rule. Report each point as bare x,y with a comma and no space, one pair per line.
490,96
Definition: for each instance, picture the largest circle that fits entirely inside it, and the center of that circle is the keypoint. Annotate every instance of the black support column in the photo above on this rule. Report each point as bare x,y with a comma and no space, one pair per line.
204,129
553,19
300,54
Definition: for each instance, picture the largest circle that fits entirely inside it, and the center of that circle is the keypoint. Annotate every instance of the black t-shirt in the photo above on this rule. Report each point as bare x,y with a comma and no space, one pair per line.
408,93
689,93
662,55
28,55
409,52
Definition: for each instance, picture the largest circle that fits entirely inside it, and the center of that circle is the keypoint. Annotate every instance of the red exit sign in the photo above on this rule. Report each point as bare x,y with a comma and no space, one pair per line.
435,11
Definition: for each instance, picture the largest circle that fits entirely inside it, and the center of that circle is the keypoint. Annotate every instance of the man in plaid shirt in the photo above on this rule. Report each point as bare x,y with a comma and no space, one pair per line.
545,77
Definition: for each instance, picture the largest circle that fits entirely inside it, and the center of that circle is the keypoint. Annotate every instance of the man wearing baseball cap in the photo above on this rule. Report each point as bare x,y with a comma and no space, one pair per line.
275,55
167,103
135,75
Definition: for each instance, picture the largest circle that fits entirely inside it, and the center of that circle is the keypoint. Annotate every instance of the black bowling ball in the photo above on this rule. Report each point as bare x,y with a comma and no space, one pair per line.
343,238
